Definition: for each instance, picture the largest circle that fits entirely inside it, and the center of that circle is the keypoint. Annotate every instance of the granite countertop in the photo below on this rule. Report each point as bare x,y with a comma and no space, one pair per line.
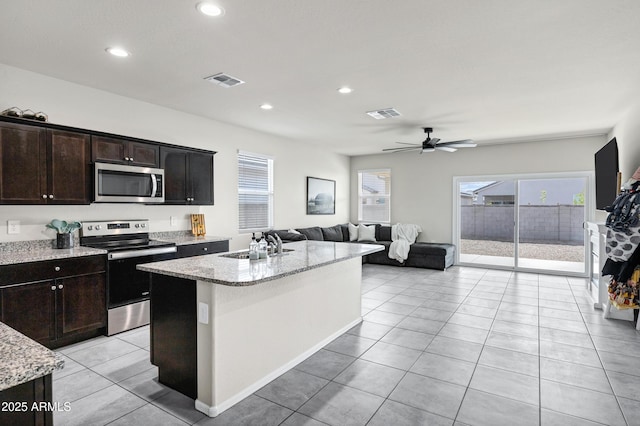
39,250
216,268
181,238
23,360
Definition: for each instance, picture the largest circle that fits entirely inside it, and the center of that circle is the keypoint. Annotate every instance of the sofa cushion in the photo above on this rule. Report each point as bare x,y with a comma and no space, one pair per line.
313,233
383,233
345,231
332,234
285,235
366,233
433,249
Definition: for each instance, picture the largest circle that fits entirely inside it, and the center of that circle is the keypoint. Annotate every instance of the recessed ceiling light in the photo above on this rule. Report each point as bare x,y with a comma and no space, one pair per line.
118,51
266,106
210,9
344,90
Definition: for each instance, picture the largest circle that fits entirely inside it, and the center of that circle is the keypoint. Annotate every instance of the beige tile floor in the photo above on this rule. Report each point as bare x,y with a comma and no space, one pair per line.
467,346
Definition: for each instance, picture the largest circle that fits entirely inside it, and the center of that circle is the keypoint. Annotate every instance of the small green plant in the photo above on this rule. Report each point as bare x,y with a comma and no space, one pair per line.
63,227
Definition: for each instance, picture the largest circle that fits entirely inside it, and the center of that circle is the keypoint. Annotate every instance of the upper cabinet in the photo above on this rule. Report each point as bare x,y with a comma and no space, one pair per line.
43,163
43,166
123,151
188,176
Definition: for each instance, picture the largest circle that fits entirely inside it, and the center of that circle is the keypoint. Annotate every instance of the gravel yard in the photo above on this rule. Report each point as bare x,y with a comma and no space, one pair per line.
562,252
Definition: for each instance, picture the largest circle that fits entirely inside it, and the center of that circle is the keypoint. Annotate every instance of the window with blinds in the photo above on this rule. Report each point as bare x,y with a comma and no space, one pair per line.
255,192
374,196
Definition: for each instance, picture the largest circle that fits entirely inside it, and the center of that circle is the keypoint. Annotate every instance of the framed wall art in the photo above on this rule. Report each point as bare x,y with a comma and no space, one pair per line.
321,196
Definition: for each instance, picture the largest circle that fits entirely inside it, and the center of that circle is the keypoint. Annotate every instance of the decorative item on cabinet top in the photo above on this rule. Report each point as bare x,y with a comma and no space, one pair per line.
64,229
27,113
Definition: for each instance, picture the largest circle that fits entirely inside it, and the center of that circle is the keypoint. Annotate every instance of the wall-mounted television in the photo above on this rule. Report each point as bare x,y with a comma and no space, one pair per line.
607,181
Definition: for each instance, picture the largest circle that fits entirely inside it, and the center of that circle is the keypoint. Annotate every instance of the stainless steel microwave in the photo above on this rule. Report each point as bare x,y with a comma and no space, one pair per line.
115,183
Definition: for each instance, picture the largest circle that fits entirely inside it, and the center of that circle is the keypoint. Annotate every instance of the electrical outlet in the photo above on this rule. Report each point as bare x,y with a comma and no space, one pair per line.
13,227
203,313
173,221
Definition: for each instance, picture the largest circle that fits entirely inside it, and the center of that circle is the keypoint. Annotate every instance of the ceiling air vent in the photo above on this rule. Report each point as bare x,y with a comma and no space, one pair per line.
380,114
224,80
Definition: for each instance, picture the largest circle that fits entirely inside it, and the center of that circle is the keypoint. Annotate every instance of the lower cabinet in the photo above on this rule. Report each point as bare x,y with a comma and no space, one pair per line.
57,310
18,403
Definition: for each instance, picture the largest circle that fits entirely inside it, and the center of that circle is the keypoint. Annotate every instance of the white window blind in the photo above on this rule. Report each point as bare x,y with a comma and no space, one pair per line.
374,196
255,192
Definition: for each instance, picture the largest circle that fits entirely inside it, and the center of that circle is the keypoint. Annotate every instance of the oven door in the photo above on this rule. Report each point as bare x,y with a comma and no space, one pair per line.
126,284
115,183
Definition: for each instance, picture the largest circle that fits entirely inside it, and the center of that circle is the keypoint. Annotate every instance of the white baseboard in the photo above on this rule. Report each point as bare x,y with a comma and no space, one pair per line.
216,410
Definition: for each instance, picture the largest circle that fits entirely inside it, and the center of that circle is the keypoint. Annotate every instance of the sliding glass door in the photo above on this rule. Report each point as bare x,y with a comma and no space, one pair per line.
530,222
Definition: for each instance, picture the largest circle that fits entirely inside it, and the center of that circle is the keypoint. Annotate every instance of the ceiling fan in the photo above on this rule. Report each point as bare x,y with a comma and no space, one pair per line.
431,144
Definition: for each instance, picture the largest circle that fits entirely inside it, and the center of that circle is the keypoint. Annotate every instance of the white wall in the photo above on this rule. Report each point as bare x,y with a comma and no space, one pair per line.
83,107
627,133
421,185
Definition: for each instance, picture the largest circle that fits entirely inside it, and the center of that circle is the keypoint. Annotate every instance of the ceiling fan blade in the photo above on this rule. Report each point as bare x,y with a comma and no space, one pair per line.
445,148
409,148
434,141
407,143
467,143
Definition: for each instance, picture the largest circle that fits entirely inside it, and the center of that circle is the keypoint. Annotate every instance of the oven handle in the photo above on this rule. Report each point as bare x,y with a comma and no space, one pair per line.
127,254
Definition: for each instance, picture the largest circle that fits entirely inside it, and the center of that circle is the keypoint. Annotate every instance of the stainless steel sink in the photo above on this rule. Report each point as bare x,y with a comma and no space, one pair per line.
244,254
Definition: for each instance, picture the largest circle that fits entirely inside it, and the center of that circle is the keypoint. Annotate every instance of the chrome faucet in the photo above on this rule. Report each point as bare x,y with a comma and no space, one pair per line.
277,242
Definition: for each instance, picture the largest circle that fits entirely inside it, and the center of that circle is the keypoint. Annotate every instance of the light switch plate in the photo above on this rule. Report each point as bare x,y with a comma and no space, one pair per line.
13,227
203,313
173,221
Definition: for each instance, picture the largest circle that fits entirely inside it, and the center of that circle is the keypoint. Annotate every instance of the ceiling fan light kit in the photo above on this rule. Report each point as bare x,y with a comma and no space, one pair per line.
432,144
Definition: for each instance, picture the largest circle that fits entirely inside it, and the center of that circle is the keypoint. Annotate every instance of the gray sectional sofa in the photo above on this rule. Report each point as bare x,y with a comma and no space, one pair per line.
421,255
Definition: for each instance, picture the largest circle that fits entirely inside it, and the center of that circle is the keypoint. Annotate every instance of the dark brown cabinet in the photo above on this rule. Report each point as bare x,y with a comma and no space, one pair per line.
201,249
43,166
123,151
55,302
188,176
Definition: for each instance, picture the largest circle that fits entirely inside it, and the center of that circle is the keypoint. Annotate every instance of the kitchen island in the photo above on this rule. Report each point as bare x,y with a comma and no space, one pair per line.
222,327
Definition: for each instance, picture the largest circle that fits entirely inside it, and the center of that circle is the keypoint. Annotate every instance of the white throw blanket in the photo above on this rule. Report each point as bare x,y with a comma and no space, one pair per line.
402,236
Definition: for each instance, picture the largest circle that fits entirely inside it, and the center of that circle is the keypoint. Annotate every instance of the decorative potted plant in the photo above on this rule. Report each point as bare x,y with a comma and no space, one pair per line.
65,230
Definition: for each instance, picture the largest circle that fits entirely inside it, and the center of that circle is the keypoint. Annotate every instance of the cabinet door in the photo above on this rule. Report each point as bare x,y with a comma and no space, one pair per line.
81,304
201,178
174,162
201,249
30,309
144,154
109,150
22,164
69,175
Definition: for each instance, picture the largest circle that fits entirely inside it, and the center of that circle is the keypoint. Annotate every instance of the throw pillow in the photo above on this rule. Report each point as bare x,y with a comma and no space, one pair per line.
366,233
293,231
353,232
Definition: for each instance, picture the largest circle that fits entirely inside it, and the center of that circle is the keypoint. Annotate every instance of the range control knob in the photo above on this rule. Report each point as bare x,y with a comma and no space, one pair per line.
98,227
143,225
137,225
90,227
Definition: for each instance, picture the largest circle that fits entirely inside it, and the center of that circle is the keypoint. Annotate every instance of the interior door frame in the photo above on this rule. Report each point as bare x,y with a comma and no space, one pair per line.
588,217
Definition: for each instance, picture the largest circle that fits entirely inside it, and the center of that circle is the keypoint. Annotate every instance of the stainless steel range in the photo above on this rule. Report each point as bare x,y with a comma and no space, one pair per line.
127,243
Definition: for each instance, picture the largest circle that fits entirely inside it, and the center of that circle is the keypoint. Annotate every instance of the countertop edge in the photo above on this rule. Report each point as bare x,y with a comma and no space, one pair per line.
17,367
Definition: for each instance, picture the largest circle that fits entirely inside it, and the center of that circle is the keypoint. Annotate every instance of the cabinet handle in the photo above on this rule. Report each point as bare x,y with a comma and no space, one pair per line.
57,269
51,196
130,158
44,196
60,286
205,249
53,288
126,158
145,293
